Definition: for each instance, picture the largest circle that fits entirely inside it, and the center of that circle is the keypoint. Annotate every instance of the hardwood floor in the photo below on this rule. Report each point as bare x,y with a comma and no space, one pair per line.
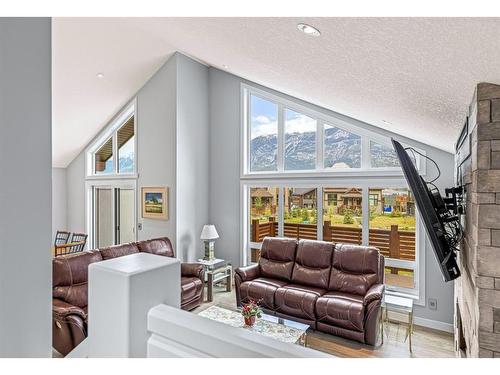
426,342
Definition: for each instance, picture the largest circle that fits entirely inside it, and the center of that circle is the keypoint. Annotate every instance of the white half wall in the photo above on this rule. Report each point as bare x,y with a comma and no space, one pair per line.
59,200
25,196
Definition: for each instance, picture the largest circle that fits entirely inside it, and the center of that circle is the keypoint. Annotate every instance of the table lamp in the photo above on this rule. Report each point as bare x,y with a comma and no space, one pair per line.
209,235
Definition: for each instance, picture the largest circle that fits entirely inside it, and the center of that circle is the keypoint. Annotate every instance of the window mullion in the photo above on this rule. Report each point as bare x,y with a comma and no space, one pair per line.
365,204
281,211
281,138
365,153
319,145
319,212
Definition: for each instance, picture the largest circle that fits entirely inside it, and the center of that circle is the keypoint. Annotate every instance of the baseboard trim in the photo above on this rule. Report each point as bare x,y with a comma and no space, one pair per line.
428,323
434,324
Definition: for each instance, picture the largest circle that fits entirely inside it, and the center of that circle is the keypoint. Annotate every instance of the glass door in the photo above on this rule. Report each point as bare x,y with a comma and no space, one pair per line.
125,205
113,214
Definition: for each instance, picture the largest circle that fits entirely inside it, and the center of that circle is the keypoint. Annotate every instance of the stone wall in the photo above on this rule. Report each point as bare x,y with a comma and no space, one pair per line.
477,291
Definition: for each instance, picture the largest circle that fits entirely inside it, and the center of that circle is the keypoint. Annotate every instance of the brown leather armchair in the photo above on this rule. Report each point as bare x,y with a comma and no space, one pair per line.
334,288
70,281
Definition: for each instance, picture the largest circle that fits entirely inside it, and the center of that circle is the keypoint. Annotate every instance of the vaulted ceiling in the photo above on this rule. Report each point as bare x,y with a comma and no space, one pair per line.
411,76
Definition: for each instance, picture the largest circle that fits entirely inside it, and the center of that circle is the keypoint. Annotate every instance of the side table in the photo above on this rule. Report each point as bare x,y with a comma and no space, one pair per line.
400,305
216,270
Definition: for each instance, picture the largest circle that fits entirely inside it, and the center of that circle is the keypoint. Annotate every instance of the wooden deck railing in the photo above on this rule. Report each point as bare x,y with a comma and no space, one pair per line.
393,243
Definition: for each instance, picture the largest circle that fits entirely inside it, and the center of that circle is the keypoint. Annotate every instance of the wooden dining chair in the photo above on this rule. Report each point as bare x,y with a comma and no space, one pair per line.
80,238
61,238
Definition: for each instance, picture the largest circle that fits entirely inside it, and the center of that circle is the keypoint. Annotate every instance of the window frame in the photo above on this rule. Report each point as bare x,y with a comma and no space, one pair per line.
365,177
418,266
110,131
321,120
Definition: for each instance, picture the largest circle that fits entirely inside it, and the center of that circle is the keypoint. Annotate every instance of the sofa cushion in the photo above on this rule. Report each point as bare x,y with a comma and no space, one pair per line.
262,290
341,310
70,276
191,288
354,269
277,258
313,263
298,300
157,246
118,250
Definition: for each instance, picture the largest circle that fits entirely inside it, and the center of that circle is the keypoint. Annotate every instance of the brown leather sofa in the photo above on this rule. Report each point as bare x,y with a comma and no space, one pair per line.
70,279
334,288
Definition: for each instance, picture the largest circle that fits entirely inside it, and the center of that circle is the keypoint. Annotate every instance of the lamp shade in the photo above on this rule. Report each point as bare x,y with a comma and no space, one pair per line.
209,233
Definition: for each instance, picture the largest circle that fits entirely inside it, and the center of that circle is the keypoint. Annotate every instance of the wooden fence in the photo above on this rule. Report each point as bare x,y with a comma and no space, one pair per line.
393,243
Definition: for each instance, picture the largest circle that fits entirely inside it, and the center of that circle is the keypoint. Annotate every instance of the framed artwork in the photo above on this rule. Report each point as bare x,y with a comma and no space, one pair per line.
155,203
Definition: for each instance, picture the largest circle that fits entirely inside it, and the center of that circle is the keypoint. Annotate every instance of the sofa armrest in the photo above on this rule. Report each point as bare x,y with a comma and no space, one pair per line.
62,310
248,273
376,292
192,269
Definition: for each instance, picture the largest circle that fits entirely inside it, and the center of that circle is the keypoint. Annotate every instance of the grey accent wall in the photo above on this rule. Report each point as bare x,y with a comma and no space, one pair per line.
59,200
156,146
75,195
25,195
225,143
192,156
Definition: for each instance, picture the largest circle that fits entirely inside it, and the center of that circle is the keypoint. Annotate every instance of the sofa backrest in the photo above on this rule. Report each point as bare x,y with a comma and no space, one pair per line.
116,251
157,246
70,276
354,268
277,257
313,263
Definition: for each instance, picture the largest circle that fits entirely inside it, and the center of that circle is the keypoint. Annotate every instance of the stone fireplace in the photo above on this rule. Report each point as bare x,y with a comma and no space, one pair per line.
477,291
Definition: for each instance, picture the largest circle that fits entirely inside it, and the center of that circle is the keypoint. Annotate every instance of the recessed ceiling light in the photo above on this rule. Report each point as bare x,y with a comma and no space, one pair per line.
387,122
308,29
225,66
100,75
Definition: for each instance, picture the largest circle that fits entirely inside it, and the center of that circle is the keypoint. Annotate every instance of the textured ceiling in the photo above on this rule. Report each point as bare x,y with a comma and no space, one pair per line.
418,74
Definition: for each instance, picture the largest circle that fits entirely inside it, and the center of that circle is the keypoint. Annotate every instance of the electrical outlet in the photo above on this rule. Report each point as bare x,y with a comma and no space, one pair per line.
139,226
433,304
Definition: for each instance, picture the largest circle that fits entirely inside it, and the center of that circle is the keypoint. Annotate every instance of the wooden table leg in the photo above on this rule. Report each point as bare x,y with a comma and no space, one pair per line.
210,287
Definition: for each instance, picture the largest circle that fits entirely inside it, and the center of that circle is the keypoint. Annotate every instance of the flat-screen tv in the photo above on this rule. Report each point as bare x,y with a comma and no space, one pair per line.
438,214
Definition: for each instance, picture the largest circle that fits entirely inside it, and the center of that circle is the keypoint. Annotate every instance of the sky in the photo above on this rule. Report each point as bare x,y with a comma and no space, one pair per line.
264,119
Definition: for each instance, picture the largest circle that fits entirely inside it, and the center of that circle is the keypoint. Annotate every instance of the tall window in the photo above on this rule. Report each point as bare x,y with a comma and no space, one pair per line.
113,153
392,230
263,135
343,215
319,164
300,141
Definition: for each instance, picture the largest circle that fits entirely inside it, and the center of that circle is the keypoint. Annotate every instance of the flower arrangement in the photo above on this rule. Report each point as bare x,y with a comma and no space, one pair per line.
249,311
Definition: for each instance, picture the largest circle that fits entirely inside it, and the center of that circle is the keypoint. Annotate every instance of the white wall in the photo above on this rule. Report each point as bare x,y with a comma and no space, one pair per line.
75,193
225,124
192,156
156,146
59,200
25,201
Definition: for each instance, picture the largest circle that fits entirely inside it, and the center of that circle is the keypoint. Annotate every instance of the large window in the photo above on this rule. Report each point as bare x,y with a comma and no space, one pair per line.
287,138
113,153
298,163
392,229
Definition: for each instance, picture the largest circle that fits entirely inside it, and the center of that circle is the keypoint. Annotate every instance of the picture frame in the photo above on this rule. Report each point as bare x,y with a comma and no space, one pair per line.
154,203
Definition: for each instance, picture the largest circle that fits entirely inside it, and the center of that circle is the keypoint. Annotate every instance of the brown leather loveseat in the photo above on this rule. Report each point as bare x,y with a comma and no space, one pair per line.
70,279
334,288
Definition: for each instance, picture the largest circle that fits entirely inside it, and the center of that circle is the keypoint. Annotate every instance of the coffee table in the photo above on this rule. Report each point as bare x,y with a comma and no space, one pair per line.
271,326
